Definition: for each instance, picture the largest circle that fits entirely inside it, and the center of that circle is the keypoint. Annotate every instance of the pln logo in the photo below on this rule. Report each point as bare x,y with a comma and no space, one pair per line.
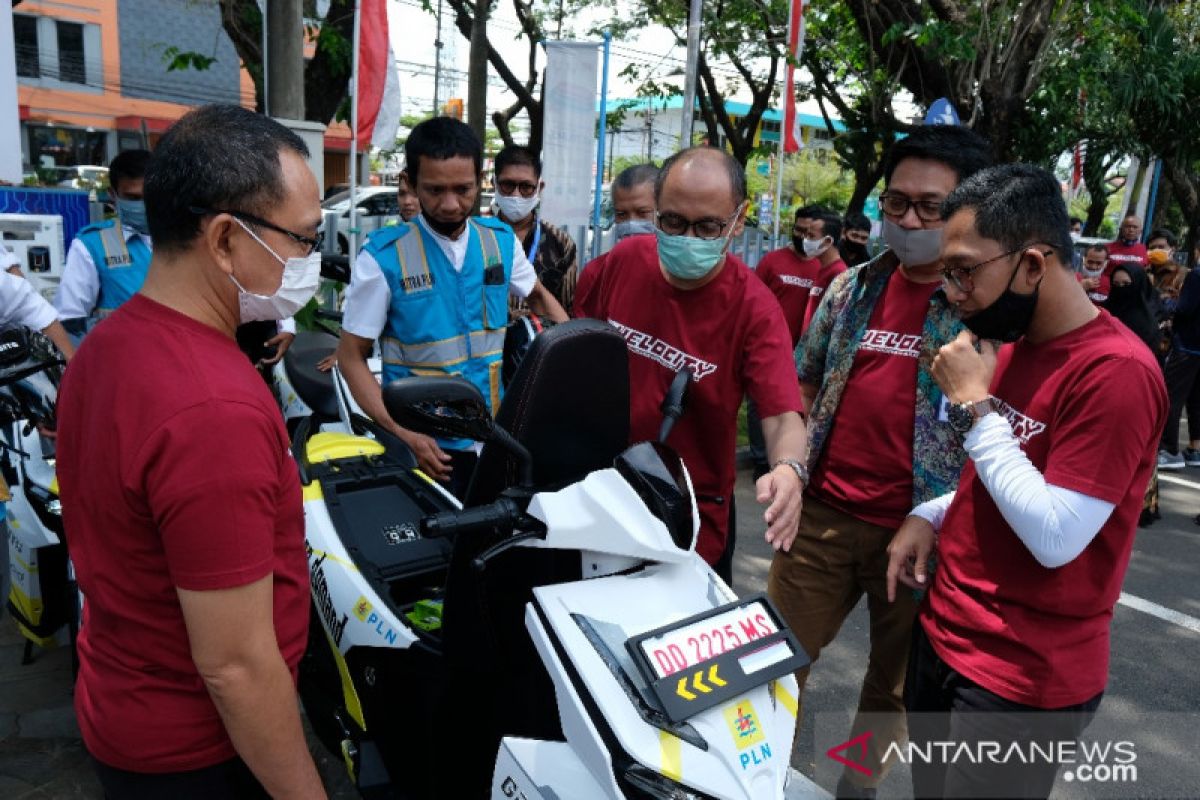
747,734
853,753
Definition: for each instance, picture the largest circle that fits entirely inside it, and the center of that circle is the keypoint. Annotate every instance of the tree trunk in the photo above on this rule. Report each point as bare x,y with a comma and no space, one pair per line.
285,58
477,71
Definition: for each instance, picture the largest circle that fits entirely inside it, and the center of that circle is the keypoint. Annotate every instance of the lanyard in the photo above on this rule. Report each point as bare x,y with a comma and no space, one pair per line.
537,239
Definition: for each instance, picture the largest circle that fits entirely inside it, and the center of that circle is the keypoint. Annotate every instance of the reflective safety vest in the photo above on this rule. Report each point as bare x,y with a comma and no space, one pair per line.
120,264
444,321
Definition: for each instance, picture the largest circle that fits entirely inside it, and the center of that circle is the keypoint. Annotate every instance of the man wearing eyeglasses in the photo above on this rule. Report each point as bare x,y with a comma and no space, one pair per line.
879,442
519,187
435,291
682,301
1035,539
182,501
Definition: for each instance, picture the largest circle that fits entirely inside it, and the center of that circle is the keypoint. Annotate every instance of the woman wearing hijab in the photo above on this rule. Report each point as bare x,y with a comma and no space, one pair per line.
1132,300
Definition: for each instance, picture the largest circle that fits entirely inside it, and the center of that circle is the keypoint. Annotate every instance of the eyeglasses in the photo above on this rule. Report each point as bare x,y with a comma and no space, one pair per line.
961,277
897,205
707,229
510,188
313,244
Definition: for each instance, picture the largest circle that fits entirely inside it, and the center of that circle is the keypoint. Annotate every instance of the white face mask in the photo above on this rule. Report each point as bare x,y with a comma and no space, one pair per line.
814,248
301,277
517,208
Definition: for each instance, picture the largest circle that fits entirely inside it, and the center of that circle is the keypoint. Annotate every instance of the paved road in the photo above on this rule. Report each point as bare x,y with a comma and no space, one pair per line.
1153,695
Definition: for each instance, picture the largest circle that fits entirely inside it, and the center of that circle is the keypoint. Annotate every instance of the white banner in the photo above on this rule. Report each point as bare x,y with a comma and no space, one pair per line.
569,132
10,119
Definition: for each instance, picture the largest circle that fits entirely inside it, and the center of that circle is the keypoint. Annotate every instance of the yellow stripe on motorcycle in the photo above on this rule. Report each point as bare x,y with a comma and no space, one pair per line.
782,695
349,693
312,491
54,486
672,755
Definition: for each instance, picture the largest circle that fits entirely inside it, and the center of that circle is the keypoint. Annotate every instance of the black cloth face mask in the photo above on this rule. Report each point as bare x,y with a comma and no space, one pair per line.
1008,317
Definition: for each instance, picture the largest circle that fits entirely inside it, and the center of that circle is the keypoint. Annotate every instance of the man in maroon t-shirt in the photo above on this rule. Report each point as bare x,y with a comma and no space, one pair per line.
1035,541
789,273
878,443
1128,250
681,301
1096,277
824,235
181,500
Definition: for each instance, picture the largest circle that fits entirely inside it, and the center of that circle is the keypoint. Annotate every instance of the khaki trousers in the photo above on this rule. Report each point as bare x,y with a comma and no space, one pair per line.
836,559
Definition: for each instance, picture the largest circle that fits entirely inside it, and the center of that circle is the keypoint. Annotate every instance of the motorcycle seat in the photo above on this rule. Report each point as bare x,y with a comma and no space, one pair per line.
312,386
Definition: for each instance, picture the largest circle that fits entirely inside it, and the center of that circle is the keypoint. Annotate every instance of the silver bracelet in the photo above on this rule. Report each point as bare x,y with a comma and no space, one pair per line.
800,469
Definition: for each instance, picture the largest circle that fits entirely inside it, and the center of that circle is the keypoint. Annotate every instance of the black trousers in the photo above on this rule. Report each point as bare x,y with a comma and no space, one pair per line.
724,565
944,706
1181,371
462,465
229,780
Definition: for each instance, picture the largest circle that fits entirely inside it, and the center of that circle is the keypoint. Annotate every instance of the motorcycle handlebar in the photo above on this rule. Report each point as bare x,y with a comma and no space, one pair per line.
504,513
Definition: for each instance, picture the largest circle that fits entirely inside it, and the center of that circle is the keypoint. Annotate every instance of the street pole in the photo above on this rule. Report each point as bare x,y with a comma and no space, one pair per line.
689,78
285,31
437,61
266,76
600,148
354,138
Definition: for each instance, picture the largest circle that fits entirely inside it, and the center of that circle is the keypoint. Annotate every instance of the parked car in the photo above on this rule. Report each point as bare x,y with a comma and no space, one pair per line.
378,206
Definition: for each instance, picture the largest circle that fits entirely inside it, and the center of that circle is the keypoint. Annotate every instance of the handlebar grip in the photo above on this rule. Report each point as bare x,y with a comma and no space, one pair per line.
471,520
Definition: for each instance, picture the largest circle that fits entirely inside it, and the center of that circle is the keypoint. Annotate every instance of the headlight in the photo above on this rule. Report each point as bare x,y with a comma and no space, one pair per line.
54,507
640,782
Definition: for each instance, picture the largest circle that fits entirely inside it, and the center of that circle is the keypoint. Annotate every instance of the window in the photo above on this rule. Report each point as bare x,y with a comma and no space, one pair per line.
71,67
61,146
26,40
770,126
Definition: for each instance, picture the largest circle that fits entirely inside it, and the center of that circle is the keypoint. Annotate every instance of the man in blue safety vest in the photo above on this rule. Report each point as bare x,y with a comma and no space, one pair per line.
107,261
435,291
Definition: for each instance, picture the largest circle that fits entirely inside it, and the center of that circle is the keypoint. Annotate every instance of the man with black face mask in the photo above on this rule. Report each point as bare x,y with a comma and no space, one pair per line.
857,232
878,440
1035,540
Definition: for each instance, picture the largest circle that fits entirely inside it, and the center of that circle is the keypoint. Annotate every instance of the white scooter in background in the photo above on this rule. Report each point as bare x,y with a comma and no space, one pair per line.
43,598
583,649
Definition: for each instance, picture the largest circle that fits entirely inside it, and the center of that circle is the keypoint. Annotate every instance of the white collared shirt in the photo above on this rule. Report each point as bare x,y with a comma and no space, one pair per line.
79,290
368,297
22,306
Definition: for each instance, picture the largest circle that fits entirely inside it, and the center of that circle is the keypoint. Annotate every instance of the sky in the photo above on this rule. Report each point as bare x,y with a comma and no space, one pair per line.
413,32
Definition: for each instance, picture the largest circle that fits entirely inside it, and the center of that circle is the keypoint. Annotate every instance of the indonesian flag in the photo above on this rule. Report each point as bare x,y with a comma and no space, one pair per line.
792,139
378,83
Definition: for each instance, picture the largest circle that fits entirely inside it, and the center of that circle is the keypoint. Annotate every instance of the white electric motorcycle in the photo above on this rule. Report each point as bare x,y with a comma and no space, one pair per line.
43,598
559,637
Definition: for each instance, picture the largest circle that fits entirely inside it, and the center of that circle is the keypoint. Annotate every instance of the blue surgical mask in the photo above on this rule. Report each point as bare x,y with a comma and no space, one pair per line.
632,227
133,215
687,257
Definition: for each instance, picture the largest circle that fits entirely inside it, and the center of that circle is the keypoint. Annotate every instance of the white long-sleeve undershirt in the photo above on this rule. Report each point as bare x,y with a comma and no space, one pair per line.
1056,524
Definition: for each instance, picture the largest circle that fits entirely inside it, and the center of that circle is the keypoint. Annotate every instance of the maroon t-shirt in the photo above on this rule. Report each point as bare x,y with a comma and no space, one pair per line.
731,333
825,276
1087,408
865,468
790,277
1129,255
175,472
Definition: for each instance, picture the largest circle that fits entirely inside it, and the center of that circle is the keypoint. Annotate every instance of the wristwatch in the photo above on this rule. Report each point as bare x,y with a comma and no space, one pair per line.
801,469
962,416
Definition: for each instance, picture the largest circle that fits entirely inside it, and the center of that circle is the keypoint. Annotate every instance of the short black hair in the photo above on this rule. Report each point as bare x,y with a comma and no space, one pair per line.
441,138
1163,233
1097,248
517,156
220,157
856,221
1016,205
737,175
633,176
127,166
960,149
810,211
1073,220
831,225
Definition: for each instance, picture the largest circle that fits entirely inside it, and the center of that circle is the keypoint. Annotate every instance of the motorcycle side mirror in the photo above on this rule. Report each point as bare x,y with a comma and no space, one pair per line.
446,407
673,404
